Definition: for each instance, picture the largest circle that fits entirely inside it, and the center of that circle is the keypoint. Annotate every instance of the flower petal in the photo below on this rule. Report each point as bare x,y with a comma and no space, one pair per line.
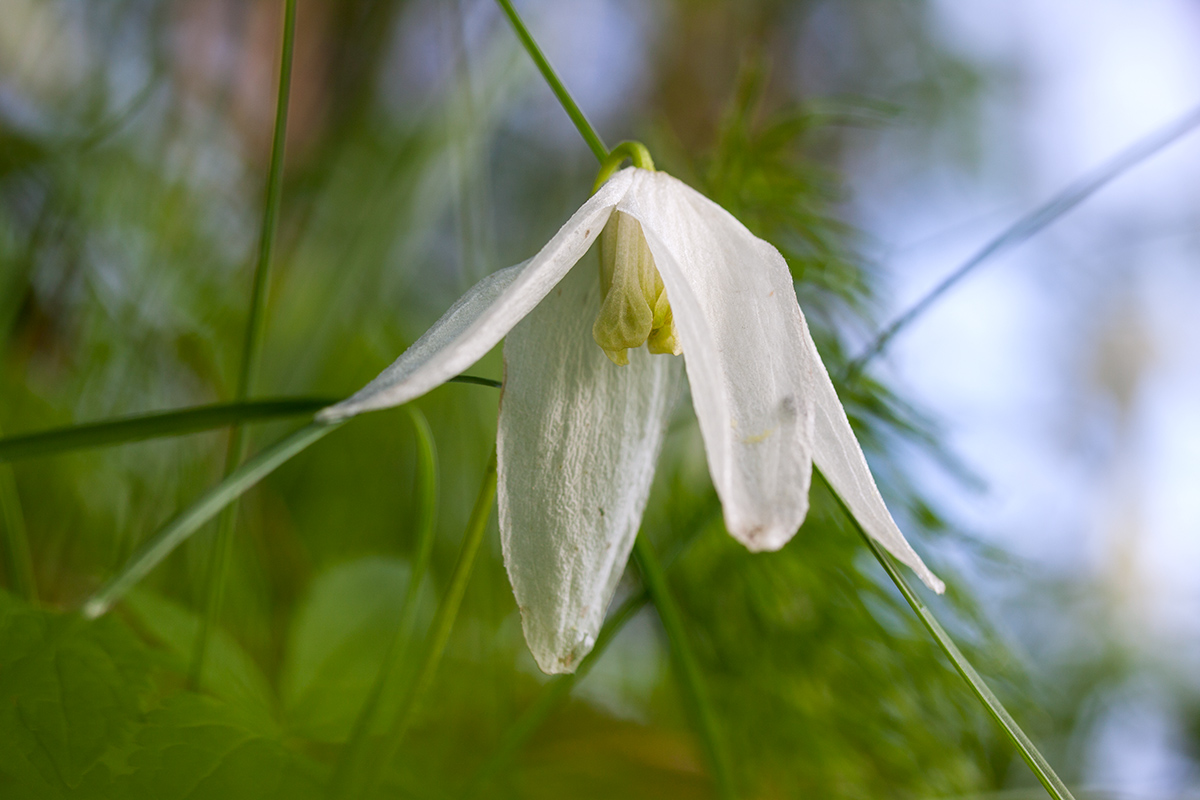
840,458
482,316
742,334
577,443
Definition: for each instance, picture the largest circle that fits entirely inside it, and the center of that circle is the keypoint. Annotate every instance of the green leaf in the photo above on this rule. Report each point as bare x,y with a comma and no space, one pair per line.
337,645
197,747
69,700
229,673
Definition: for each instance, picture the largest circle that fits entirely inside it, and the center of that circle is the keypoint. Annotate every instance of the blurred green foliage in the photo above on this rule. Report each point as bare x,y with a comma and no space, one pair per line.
132,140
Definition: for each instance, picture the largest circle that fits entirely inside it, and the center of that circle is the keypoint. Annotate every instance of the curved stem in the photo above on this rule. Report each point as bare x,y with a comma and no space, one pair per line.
354,752
634,151
443,624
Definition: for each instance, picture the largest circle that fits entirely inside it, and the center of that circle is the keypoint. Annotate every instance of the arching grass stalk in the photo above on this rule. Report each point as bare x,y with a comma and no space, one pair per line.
439,633
178,530
214,581
1025,746
694,694
1033,223
353,754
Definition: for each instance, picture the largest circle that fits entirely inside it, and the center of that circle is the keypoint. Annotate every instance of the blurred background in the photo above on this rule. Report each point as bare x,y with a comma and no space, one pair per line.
1036,431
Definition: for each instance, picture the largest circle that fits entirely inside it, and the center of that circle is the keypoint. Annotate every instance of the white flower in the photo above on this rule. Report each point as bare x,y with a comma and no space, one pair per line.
579,435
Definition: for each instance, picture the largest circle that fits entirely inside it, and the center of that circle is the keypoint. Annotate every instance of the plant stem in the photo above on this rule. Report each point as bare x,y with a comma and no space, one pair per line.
16,538
158,424
443,624
1025,746
560,91
1033,222
694,690
354,754
252,345
177,531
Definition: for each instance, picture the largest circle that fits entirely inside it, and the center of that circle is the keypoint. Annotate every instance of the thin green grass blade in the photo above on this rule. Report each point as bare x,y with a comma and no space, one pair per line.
161,424
694,691
14,538
155,425
443,624
256,323
560,91
1032,223
174,533
1025,746
354,755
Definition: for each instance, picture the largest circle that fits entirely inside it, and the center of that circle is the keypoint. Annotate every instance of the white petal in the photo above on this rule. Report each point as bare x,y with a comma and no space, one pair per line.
742,335
577,444
840,458
482,316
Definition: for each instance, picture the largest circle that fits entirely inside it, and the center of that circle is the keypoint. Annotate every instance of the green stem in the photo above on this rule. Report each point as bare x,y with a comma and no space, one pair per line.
177,531
1025,746
694,690
443,623
252,345
354,753
159,424
634,151
16,538
155,425
560,91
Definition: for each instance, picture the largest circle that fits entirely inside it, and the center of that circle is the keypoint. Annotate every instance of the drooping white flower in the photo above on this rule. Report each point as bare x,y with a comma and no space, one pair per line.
581,423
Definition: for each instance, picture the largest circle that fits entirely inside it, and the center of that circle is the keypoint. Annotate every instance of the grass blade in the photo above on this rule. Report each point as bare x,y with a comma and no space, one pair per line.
1032,223
174,533
15,538
560,91
694,691
160,424
443,624
155,425
256,322
353,754
1025,746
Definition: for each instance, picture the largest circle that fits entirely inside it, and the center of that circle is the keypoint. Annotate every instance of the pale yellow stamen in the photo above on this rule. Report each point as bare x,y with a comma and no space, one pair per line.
634,310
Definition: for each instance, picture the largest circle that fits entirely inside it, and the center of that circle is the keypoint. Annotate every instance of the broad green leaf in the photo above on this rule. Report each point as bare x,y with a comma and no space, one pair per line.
337,644
69,700
230,673
196,748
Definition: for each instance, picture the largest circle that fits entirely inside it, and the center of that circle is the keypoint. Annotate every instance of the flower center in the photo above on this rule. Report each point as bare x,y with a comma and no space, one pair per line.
634,310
